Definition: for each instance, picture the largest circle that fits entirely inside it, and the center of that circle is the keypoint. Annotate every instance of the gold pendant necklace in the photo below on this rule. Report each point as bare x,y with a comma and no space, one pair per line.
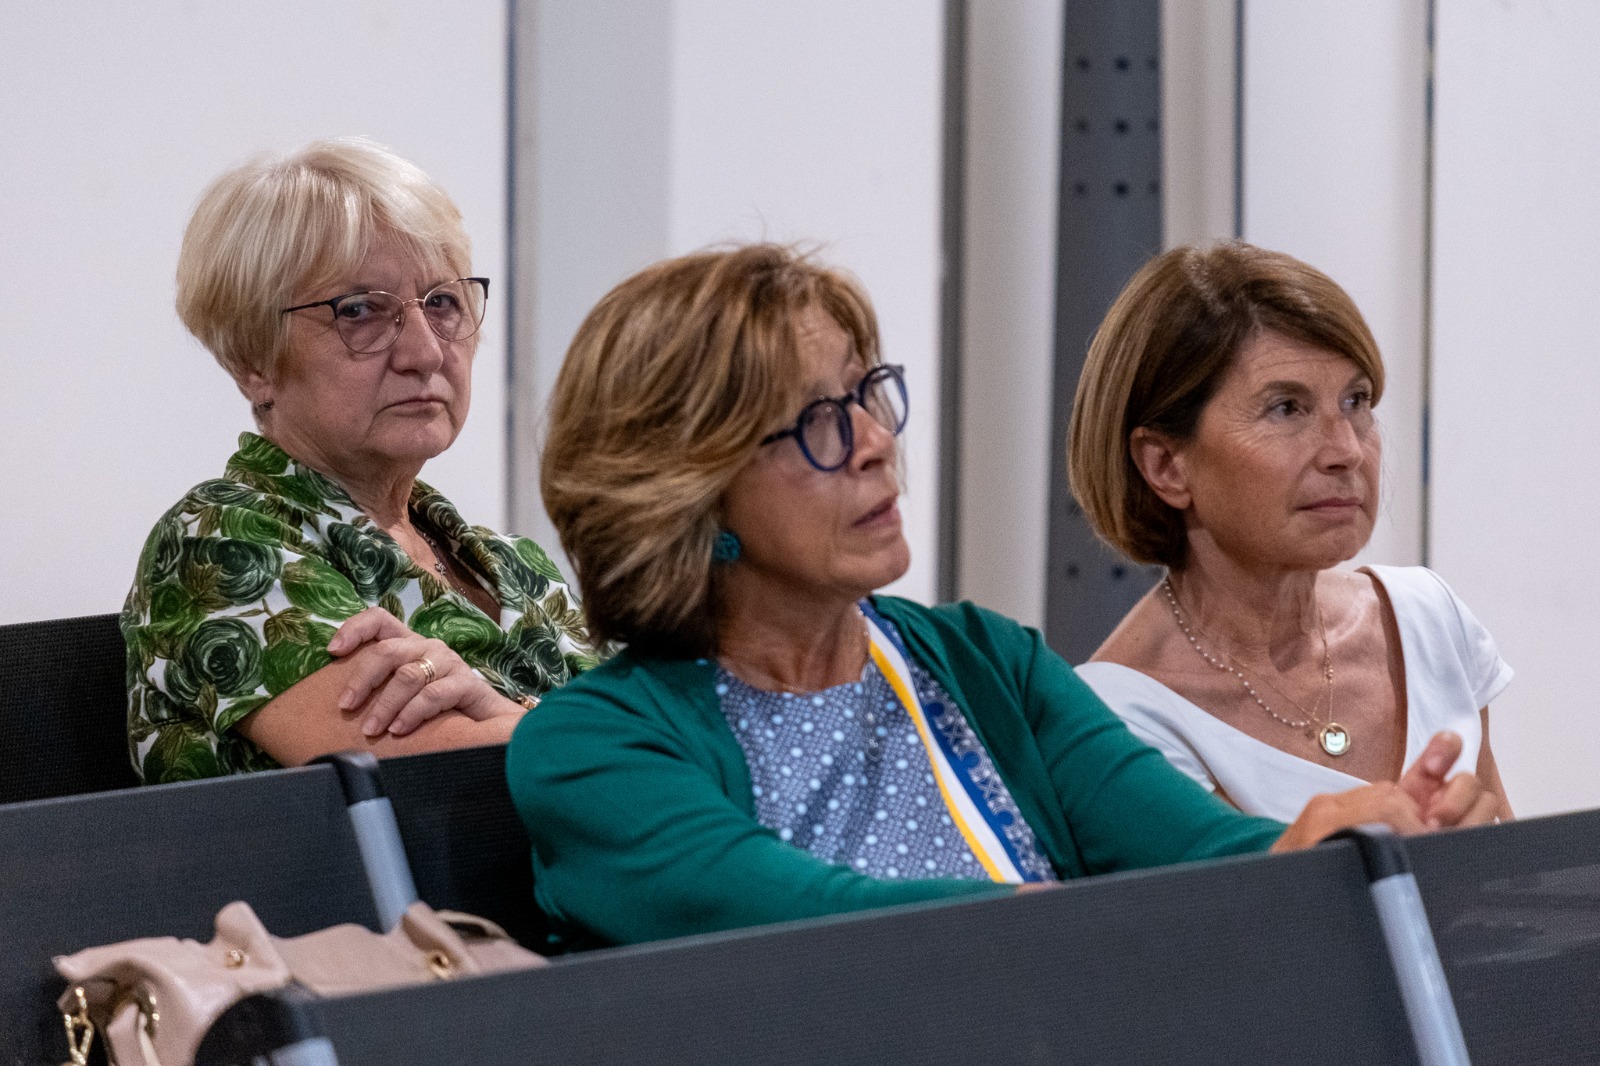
1331,737
438,556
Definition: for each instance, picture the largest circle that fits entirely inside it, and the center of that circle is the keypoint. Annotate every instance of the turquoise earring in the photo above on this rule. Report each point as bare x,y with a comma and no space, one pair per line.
726,548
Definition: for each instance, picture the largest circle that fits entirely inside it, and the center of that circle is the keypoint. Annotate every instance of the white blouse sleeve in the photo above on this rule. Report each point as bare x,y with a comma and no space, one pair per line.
1487,673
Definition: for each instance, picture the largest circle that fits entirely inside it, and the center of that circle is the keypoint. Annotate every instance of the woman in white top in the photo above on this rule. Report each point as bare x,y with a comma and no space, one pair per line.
1223,428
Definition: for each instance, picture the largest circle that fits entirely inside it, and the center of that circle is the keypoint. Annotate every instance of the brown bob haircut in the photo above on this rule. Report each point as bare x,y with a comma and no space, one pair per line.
667,391
1159,356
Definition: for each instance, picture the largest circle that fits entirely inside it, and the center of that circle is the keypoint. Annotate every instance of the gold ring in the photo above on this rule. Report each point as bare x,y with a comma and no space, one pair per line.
428,672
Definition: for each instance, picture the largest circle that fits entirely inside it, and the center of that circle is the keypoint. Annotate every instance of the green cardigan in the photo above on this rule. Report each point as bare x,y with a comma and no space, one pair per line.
637,795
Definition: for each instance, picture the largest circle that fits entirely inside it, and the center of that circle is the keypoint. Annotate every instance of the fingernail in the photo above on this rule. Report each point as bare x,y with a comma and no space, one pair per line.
371,727
346,701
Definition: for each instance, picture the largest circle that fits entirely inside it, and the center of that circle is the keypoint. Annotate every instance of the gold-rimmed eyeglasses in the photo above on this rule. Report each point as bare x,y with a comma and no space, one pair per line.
369,322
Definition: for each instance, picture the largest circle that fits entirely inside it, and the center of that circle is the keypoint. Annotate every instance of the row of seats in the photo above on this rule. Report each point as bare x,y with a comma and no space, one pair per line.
1259,959
77,871
1255,959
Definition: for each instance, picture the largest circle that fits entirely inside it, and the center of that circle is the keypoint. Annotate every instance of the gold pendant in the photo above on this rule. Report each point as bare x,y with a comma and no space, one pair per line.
1334,738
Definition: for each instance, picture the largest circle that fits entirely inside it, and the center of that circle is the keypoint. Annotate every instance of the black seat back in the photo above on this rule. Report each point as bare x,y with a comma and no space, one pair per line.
80,871
1249,960
1515,910
63,709
467,848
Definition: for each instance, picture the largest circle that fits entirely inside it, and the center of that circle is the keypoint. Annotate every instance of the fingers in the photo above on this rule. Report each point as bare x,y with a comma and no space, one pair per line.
378,661
1386,803
1427,775
1325,815
426,702
1463,801
366,626
384,677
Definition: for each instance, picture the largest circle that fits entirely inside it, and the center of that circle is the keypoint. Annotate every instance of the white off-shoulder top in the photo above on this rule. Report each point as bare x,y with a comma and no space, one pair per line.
1452,668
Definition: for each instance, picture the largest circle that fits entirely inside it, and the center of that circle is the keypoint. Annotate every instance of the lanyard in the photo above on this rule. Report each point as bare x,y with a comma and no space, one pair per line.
964,799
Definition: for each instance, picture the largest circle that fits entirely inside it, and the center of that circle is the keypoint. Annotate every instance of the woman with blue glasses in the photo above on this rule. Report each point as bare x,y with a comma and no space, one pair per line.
777,740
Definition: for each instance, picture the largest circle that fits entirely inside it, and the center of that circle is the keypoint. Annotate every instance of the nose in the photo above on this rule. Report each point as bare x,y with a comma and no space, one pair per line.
416,346
874,443
1341,444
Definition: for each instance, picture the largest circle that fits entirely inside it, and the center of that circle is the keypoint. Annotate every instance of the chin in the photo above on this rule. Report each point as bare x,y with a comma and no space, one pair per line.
422,444
891,565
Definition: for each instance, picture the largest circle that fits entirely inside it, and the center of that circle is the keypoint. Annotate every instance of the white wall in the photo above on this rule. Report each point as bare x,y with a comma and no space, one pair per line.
788,120
593,144
822,120
115,118
1516,368
1335,150
1199,90
1013,121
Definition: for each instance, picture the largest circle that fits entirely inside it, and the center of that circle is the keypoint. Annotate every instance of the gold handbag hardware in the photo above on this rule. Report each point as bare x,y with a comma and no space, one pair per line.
441,965
80,1030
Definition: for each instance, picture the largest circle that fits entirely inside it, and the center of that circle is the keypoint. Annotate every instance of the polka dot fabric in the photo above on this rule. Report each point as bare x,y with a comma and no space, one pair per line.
842,774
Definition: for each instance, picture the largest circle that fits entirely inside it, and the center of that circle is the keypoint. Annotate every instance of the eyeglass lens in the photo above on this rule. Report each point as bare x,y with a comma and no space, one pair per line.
825,430
370,321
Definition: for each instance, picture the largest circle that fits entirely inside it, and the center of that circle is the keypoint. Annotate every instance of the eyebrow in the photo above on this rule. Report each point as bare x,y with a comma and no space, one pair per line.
1360,377
817,390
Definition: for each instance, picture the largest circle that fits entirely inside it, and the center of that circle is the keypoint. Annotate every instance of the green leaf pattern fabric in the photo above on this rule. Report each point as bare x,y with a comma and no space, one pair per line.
240,587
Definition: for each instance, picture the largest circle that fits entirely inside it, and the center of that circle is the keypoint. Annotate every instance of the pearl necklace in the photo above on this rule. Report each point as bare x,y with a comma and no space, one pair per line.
1332,737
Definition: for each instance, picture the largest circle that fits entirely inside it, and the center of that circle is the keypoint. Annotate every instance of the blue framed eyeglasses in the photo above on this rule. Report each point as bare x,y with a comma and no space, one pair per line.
824,429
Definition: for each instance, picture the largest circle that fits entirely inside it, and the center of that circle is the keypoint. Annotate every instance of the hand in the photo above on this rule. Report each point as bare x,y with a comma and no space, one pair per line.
387,677
1462,800
1422,800
1325,815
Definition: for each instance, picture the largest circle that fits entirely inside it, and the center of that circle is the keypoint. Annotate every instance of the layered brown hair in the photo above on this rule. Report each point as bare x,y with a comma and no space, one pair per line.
1159,356
667,391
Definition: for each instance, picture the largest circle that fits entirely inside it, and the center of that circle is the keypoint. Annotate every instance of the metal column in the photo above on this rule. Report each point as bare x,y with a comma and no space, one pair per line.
1109,224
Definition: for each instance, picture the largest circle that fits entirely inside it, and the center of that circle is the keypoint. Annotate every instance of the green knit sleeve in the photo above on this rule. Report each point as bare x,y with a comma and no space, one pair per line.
1127,806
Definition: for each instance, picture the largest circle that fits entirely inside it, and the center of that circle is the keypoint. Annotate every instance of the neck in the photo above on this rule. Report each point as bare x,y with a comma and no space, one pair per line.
382,491
1258,613
789,642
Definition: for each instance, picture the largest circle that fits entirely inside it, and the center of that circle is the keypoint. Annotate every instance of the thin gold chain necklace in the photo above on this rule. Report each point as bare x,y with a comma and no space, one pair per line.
1332,737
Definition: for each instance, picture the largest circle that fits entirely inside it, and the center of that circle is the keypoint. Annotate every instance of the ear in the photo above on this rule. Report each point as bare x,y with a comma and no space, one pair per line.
1161,460
256,388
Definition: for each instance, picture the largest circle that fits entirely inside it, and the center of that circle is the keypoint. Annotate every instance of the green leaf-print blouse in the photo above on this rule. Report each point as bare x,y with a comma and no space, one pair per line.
242,584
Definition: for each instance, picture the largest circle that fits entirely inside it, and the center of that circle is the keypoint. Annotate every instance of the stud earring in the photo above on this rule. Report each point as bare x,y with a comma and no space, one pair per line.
726,548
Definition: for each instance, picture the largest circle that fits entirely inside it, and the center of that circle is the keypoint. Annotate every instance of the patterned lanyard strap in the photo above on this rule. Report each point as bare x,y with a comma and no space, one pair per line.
981,827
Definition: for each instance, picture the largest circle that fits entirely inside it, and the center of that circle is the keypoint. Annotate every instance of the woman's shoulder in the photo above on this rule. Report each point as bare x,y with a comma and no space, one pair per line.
960,619
1422,599
633,684
1442,638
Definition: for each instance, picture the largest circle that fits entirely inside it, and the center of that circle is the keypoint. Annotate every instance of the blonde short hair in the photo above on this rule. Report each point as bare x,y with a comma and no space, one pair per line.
277,225
1160,354
666,393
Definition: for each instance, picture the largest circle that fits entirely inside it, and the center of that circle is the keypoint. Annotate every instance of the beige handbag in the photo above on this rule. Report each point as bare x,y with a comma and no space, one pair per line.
154,999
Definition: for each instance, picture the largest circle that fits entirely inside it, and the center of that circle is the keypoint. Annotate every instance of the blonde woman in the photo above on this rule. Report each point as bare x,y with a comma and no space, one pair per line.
318,596
1224,429
779,740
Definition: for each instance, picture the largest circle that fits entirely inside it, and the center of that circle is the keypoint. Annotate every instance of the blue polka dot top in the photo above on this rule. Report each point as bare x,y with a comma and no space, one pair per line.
842,774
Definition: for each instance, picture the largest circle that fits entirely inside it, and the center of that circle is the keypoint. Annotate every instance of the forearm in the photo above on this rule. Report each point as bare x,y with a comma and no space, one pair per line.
305,721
